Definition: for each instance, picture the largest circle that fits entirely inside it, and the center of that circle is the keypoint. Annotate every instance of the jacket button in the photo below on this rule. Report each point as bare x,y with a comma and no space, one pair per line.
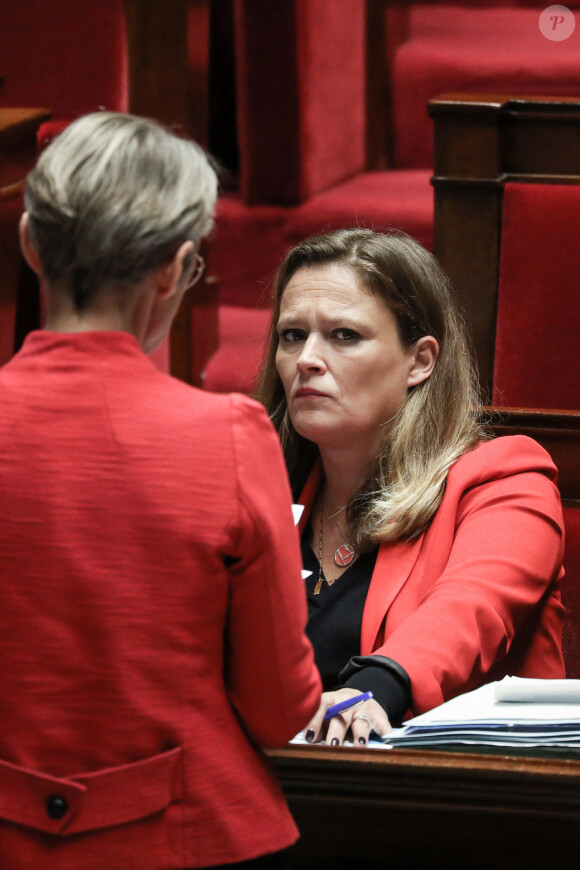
56,807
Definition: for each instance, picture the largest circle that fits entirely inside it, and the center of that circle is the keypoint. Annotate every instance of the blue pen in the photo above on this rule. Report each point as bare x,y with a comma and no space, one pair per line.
345,705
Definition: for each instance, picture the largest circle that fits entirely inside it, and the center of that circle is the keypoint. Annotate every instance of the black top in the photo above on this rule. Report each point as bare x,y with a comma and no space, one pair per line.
334,629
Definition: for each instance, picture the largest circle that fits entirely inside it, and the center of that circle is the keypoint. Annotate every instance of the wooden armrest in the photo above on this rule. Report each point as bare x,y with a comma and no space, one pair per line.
194,332
18,129
557,431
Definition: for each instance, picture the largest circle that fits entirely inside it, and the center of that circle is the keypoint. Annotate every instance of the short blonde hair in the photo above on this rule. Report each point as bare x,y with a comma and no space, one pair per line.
438,420
113,197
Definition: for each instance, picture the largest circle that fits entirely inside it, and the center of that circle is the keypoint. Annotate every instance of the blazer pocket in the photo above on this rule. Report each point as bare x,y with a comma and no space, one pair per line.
88,801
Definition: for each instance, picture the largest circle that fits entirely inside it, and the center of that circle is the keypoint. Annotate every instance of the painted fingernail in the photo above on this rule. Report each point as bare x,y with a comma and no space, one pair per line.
309,736
362,740
334,741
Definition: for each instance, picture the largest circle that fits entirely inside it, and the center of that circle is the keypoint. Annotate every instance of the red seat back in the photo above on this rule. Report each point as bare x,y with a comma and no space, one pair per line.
537,364
69,57
301,96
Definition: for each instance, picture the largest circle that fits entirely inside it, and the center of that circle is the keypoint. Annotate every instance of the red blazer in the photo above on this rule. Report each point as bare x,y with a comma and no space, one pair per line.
476,596
151,628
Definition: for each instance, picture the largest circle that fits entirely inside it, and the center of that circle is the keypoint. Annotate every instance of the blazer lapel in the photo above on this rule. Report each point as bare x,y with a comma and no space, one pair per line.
392,569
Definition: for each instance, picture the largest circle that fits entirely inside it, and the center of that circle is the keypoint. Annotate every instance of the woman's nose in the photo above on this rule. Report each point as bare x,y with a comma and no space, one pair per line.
311,358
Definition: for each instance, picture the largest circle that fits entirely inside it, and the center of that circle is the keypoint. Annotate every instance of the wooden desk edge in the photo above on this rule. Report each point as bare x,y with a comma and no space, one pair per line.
20,121
346,758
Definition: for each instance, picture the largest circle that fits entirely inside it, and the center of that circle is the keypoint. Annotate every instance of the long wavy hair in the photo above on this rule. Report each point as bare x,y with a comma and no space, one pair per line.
439,418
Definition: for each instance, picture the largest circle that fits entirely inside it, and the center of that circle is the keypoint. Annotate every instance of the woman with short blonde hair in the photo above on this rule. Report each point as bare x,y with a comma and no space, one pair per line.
146,664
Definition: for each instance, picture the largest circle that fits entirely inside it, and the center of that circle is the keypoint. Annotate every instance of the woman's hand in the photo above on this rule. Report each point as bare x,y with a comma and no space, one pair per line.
360,720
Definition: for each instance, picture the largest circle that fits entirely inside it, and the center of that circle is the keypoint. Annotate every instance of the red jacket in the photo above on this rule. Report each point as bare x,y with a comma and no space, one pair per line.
476,596
151,628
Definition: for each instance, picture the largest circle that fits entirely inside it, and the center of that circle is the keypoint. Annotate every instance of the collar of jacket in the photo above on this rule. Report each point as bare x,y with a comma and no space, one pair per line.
394,564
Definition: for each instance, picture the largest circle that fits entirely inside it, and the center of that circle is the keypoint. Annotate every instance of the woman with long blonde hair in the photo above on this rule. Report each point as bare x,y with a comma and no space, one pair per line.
434,552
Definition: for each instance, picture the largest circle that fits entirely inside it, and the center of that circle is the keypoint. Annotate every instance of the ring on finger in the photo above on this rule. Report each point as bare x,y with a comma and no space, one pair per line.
362,716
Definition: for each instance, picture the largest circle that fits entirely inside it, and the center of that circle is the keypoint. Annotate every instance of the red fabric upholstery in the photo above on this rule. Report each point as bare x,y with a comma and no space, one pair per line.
301,105
537,364
454,48
381,200
69,57
301,87
243,334
246,248
571,592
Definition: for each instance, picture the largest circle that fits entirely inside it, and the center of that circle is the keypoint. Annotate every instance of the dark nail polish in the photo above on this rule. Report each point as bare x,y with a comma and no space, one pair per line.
362,740
309,735
334,741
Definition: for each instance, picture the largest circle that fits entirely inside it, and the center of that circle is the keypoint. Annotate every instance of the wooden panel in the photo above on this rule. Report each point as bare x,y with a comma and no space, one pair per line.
19,299
157,45
18,128
410,809
557,431
467,239
194,332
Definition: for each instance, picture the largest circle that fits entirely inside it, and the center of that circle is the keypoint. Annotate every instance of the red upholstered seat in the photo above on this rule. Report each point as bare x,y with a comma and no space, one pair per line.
69,57
302,109
301,71
246,248
398,199
484,50
242,336
537,364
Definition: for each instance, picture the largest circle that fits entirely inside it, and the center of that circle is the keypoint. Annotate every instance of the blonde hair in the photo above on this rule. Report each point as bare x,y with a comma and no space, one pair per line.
438,420
113,197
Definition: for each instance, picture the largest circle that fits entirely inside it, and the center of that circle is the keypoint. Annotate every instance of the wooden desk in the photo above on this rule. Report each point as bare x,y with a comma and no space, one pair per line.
405,809
18,128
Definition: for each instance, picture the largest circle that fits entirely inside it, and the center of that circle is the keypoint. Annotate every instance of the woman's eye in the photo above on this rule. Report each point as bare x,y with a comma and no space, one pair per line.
291,335
346,335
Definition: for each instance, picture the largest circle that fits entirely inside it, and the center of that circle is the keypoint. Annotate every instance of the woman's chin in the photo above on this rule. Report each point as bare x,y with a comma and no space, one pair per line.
320,432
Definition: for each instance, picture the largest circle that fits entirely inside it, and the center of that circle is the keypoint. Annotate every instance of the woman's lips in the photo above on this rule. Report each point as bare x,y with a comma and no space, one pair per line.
306,392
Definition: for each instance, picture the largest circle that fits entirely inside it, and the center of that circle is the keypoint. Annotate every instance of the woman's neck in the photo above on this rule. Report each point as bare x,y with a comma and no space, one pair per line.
107,311
344,475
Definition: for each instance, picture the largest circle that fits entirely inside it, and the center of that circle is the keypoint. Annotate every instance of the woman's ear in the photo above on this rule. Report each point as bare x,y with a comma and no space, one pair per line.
26,246
423,358
172,277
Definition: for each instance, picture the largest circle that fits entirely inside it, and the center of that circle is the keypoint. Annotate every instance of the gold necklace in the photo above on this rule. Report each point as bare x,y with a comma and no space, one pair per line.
343,555
321,579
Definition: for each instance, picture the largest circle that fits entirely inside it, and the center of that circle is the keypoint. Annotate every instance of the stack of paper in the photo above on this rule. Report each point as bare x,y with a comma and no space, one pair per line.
515,712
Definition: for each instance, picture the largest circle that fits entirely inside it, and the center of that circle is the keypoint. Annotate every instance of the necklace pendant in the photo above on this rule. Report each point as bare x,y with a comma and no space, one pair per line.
318,586
344,555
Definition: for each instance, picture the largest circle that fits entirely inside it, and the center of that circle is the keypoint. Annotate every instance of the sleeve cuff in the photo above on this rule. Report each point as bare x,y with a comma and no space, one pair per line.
385,678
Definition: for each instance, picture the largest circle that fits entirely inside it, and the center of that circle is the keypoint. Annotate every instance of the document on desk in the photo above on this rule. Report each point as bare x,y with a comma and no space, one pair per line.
513,712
